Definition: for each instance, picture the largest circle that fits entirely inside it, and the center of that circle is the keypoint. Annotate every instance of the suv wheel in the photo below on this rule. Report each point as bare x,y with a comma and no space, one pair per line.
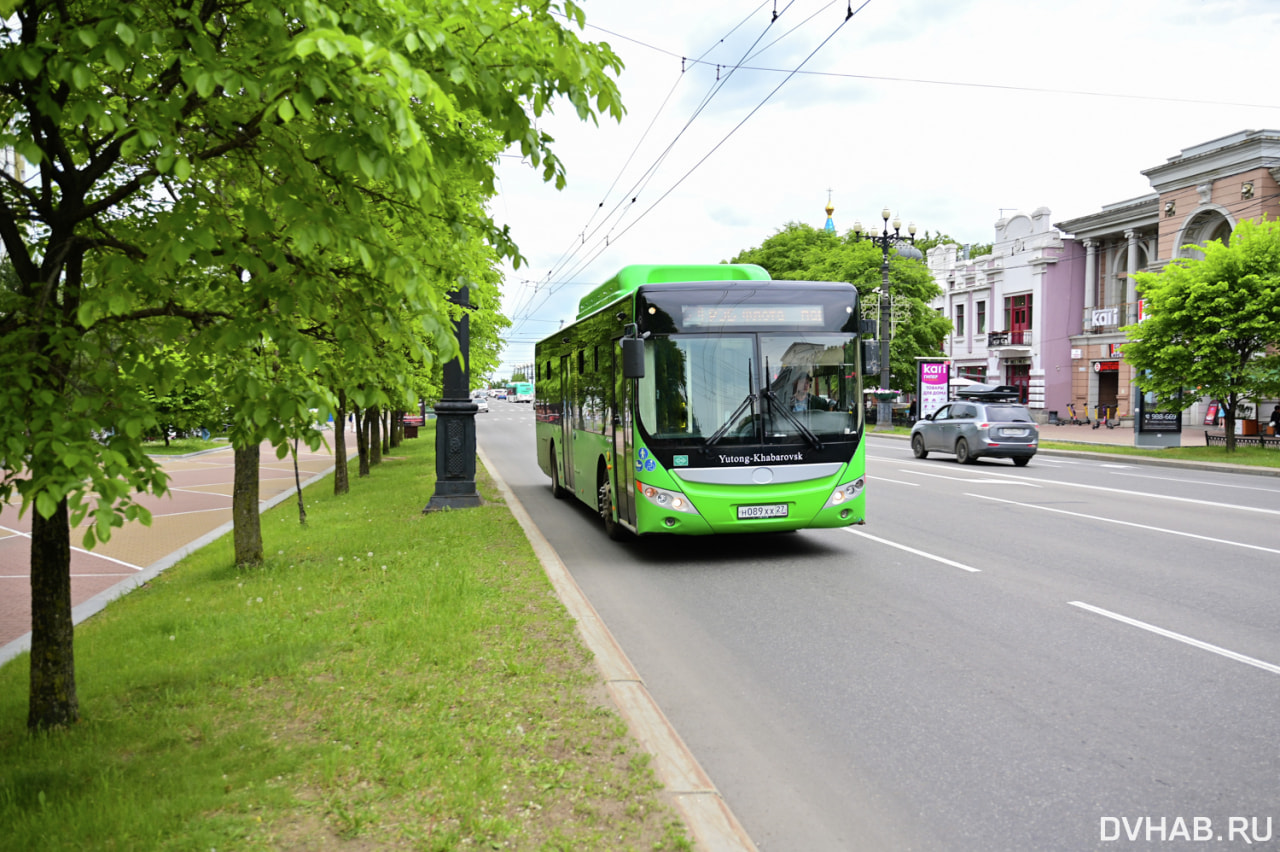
962,452
917,446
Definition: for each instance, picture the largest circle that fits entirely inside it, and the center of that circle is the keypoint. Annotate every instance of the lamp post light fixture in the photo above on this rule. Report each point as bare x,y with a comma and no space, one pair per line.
886,240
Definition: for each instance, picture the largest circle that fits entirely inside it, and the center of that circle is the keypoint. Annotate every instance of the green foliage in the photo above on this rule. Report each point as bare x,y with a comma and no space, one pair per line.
929,241
799,252
1209,322
291,189
252,174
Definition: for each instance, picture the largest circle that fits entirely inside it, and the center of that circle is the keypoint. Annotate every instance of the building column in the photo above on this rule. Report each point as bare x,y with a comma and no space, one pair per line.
1131,269
1090,274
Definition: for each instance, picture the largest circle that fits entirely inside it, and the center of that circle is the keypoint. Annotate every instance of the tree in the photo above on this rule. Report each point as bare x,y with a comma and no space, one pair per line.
800,252
928,241
1208,323
205,171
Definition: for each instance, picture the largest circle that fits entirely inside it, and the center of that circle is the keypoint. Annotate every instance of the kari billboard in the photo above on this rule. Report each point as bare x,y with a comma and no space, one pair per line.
933,379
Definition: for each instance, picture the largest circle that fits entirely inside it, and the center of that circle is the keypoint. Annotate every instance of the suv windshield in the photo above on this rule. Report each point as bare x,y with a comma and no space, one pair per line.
776,387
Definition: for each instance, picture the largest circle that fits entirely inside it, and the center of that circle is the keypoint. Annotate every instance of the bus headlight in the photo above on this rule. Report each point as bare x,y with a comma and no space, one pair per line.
671,501
845,493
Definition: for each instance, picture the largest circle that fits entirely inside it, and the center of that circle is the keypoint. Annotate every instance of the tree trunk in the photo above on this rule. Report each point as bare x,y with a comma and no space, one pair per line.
396,433
297,481
362,440
245,515
340,482
53,702
386,433
375,435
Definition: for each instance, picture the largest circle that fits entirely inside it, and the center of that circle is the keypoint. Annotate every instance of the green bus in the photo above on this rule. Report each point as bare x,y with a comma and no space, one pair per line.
706,399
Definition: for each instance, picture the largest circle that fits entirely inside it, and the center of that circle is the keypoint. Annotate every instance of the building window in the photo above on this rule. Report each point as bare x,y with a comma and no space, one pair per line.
1017,318
980,319
959,320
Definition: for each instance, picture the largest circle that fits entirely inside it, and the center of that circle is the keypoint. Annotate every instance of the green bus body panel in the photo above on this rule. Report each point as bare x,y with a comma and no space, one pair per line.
718,504
629,278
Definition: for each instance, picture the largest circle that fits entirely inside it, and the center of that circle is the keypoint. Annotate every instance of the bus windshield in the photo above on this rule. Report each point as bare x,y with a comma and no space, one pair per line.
750,388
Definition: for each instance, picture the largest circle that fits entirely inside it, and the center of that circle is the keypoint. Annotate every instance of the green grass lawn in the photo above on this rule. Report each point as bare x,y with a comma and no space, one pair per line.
387,680
1247,456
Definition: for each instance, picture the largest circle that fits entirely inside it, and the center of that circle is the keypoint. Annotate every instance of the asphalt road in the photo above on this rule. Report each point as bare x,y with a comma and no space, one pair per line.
1078,654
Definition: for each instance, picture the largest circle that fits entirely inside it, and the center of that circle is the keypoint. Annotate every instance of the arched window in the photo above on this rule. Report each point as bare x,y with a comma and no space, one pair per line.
1204,226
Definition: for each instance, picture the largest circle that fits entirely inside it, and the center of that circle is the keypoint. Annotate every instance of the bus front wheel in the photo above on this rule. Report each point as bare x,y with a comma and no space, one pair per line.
604,502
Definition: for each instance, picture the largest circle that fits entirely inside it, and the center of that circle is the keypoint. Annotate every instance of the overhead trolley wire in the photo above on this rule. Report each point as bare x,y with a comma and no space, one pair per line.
601,247
580,240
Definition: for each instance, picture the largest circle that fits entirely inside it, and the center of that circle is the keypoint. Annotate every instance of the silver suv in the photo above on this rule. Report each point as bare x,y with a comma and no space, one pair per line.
975,428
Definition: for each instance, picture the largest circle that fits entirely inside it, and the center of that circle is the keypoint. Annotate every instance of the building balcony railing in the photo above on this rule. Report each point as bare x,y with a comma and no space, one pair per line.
1009,338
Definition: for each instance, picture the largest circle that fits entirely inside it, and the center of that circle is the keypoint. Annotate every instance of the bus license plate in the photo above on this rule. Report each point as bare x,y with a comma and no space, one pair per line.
770,510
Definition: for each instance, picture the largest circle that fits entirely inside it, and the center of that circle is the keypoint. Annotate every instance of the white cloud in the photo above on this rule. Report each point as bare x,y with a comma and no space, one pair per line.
949,113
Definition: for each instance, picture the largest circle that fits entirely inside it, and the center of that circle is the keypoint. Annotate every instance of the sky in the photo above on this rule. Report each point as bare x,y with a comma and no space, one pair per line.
951,114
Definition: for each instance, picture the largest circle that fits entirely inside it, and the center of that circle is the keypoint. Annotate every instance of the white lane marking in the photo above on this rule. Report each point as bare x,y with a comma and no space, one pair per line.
1129,524
1272,490
1130,493
932,556
894,481
971,479
1169,634
87,553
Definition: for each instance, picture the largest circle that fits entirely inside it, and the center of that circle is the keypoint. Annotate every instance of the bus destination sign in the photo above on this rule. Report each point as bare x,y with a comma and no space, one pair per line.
749,314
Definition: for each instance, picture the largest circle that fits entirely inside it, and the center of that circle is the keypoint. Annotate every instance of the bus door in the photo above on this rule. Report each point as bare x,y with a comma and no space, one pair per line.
566,421
623,438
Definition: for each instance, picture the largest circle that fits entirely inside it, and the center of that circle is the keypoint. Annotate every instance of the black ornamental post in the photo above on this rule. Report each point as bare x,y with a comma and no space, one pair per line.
456,422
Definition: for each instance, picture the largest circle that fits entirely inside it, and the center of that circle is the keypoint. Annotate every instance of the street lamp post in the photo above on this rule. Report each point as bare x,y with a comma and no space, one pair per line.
886,240
456,422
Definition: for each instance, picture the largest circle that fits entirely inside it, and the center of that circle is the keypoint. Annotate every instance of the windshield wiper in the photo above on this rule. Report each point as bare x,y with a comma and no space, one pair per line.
813,439
748,403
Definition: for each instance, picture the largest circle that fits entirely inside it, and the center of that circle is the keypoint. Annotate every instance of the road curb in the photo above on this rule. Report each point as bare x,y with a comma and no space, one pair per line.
695,797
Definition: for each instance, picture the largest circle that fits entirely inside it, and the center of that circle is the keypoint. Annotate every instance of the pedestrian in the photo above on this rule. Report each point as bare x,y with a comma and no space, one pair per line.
1274,428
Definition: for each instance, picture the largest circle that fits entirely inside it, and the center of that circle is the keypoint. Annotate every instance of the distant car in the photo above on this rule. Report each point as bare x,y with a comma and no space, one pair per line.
502,395
975,428
482,404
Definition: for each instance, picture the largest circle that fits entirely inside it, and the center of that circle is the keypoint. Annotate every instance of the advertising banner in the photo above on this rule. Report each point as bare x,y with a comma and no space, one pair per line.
1150,420
933,379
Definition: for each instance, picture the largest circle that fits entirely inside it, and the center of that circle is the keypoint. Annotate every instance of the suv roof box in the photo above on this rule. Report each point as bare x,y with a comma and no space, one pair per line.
991,393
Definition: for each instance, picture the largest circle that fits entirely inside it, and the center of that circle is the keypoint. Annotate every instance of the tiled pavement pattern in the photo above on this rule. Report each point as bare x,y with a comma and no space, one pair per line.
196,510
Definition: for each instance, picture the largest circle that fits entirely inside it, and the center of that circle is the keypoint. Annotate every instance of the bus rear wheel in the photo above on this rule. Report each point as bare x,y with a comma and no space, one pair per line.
604,502
557,490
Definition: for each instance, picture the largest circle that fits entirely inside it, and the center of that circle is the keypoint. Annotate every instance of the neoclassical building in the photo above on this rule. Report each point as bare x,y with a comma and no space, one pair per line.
1077,276
1013,312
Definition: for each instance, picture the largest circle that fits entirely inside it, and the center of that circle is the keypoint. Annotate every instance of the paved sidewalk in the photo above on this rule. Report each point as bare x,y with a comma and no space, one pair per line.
196,511
1192,436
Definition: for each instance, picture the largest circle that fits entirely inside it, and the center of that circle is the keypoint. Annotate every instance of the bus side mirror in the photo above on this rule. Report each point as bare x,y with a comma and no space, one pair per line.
870,356
632,358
